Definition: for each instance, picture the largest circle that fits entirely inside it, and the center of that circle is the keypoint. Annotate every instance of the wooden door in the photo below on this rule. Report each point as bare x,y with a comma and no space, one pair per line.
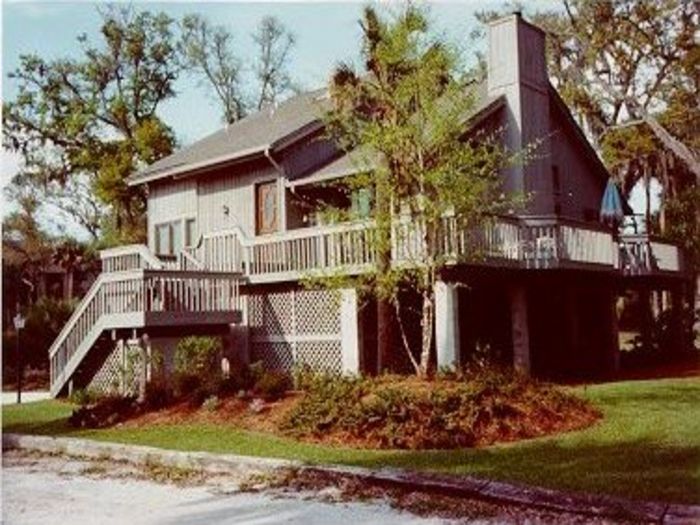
266,208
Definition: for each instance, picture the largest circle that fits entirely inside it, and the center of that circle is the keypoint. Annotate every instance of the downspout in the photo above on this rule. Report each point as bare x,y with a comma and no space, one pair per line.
268,154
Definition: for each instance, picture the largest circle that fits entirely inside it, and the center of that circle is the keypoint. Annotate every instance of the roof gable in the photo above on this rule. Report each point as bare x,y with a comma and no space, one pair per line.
251,136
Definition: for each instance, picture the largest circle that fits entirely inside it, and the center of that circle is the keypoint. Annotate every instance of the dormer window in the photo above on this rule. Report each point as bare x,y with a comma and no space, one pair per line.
556,190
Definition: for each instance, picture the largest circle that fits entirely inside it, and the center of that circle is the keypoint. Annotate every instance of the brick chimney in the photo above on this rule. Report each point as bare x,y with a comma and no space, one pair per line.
517,70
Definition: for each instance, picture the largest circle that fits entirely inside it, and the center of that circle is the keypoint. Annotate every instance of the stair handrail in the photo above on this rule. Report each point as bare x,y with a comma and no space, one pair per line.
85,302
144,253
68,326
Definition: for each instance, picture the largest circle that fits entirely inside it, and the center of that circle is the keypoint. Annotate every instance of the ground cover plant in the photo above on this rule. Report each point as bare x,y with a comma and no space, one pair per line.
645,446
478,407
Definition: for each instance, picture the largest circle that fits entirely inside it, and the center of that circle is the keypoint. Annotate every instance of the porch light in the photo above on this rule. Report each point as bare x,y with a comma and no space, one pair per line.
19,322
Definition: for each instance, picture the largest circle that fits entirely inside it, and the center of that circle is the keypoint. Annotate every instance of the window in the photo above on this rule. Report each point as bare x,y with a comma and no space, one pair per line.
163,241
556,182
266,207
168,238
556,189
190,232
361,203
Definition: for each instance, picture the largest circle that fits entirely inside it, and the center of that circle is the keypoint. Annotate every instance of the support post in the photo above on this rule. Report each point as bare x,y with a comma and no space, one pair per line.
521,332
613,361
447,325
679,341
349,323
144,352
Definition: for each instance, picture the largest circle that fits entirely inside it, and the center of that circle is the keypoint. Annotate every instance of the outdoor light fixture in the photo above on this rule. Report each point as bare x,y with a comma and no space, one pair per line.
19,322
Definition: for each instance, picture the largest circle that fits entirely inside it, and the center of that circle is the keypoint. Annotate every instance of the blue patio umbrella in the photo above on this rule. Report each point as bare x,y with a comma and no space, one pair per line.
613,208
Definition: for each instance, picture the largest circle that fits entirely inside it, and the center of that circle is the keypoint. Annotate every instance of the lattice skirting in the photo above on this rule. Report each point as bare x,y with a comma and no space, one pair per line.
317,355
296,328
119,373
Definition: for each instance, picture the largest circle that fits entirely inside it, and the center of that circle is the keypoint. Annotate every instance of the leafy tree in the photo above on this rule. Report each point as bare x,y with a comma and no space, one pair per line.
634,90
84,125
208,49
240,85
25,249
275,43
638,75
406,116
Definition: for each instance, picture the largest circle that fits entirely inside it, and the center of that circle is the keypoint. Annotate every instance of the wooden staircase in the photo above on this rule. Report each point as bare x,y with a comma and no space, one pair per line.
137,293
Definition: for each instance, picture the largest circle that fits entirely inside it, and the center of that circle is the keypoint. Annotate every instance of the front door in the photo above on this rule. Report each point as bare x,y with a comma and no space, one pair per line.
266,208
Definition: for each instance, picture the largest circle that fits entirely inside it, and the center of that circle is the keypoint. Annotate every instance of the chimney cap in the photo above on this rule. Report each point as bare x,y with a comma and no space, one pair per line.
517,16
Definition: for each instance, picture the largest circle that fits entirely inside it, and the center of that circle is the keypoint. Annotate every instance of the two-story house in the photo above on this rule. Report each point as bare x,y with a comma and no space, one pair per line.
232,232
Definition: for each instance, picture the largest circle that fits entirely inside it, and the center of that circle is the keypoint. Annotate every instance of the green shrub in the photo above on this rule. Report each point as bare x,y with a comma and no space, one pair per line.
197,369
106,412
199,356
241,377
85,396
272,385
186,384
256,371
44,321
211,403
158,395
471,408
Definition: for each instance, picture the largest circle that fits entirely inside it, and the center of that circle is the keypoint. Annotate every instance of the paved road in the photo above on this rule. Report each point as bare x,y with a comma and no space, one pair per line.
31,496
10,398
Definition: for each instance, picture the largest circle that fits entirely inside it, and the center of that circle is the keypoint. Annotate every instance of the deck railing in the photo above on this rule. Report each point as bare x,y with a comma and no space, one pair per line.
116,299
129,257
641,255
529,242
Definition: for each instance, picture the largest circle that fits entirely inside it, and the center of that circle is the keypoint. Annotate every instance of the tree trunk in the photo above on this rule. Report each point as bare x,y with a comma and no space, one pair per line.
384,335
68,285
385,305
647,195
427,321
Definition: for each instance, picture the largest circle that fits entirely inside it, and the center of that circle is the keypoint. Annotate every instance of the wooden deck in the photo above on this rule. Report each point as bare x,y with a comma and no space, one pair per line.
201,286
142,298
531,243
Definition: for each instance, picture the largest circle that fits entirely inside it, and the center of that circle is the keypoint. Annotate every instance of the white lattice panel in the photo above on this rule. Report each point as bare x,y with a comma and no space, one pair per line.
320,355
296,327
317,312
271,313
118,373
108,377
274,356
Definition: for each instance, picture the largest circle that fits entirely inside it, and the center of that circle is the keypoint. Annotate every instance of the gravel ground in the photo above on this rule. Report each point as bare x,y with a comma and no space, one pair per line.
53,489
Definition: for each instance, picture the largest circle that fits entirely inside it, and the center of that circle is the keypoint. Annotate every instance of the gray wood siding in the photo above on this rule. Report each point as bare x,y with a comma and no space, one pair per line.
205,198
301,158
170,201
581,185
232,189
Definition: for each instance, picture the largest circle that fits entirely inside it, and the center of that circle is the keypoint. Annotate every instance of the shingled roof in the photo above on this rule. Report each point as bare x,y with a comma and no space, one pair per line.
248,137
358,161
263,131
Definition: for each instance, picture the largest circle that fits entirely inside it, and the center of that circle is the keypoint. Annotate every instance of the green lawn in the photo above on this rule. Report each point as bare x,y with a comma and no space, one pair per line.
647,446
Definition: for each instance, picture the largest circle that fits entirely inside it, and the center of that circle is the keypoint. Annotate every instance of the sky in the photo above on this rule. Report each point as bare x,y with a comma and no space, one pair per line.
326,33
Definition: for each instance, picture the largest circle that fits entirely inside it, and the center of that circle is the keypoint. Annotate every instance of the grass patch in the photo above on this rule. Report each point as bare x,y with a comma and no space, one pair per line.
647,445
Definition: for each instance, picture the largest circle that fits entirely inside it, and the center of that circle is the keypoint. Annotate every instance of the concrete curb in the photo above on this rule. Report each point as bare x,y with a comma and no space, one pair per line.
460,486
87,448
